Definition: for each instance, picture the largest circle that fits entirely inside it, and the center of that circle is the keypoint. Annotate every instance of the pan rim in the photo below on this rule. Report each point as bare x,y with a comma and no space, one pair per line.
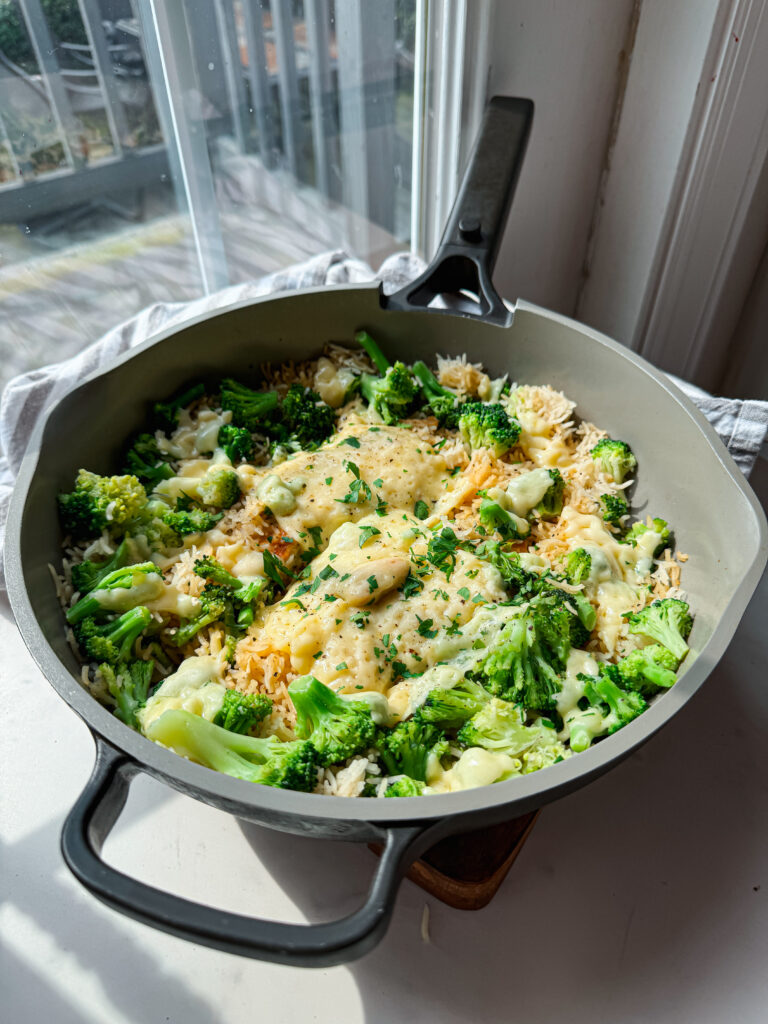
299,808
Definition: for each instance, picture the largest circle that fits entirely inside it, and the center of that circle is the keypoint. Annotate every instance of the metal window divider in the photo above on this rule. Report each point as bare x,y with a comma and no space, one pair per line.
170,61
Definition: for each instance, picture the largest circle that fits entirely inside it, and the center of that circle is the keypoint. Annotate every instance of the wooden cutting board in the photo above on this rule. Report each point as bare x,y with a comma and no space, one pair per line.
466,871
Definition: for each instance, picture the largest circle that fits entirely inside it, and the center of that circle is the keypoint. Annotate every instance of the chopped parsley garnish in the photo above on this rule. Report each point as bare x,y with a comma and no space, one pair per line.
342,667
441,551
275,569
425,628
351,441
413,585
326,573
359,492
378,482
329,480
453,629
293,601
381,506
366,532
464,592
421,509
316,533
360,619
373,584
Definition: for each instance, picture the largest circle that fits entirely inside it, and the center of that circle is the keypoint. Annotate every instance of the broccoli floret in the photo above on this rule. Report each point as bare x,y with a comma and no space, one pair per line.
254,410
128,682
500,726
120,590
291,765
614,507
87,575
445,404
587,617
306,417
390,394
556,627
406,749
667,621
606,689
215,605
494,517
219,487
521,668
404,787
578,566
488,425
184,521
145,461
98,502
168,412
244,596
111,641
338,729
241,712
237,442
615,458
208,568
551,505
508,565
659,526
648,669
451,708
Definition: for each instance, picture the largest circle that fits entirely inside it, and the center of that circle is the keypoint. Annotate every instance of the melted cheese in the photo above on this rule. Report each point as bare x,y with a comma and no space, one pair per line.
454,656
476,767
350,622
191,476
396,466
193,687
150,590
332,383
579,663
526,491
194,436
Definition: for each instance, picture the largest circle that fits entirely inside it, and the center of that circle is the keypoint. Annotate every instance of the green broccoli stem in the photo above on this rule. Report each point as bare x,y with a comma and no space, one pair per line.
128,683
126,578
375,354
289,765
193,736
429,382
87,575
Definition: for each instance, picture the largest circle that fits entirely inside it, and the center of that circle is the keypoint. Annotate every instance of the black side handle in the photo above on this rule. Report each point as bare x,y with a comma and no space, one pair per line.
467,252
319,945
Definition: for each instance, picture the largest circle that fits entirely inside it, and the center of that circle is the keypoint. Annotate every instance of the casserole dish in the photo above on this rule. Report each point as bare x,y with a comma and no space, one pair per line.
686,476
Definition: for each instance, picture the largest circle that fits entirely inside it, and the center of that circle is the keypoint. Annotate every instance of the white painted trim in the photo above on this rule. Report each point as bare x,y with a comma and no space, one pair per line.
715,225
451,76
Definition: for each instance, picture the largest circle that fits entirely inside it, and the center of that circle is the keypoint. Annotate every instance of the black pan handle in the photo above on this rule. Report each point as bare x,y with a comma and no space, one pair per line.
467,252
319,945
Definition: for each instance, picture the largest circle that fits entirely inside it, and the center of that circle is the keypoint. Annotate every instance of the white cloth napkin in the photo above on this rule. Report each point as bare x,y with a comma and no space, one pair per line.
741,424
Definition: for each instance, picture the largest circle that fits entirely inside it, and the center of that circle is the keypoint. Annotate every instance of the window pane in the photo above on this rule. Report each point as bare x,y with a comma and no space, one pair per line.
305,107
91,230
152,151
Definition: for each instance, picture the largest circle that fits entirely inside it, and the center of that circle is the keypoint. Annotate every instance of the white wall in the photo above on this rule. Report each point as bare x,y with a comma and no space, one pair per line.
664,77
565,56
